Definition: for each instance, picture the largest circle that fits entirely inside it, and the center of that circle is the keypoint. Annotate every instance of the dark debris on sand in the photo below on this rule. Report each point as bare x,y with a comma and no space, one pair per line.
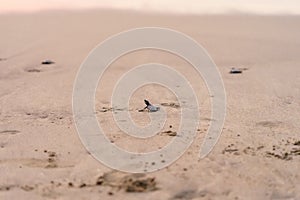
47,62
297,143
237,70
131,183
170,133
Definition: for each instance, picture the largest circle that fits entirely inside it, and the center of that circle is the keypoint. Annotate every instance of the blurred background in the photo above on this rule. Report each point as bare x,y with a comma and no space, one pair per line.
165,6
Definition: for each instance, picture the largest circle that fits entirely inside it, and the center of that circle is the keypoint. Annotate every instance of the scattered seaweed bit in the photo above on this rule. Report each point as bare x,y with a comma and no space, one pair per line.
140,185
230,149
274,147
260,147
202,130
82,185
51,159
285,156
105,109
170,133
34,70
235,70
47,62
111,179
51,154
11,132
3,59
172,105
129,183
295,152
297,143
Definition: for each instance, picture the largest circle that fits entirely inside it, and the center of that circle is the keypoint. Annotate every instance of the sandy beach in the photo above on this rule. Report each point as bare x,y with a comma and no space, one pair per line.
257,156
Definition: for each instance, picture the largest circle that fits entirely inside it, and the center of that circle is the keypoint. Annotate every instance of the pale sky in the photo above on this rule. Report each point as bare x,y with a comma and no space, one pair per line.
174,6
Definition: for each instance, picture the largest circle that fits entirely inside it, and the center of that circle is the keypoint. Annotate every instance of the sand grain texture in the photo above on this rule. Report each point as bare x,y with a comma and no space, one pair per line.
257,157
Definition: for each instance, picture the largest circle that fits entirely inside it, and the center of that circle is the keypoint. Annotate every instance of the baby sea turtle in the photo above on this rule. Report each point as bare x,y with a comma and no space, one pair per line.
150,107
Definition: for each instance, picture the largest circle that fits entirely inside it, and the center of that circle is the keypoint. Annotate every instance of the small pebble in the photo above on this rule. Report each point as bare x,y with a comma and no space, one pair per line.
47,62
235,71
110,193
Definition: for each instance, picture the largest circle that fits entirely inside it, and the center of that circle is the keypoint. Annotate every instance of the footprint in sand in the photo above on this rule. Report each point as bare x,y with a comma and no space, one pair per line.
253,151
41,163
9,132
49,162
269,124
32,70
51,116
110,109
190,194
172,105
37,115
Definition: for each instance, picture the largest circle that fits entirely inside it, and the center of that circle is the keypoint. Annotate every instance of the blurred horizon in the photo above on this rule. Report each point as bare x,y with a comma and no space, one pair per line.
263,7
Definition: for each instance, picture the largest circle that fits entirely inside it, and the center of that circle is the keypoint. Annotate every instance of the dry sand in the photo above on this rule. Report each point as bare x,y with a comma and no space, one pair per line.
257,157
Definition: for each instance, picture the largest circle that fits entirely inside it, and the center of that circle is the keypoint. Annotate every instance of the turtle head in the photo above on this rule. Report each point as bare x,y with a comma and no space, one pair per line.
147,102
